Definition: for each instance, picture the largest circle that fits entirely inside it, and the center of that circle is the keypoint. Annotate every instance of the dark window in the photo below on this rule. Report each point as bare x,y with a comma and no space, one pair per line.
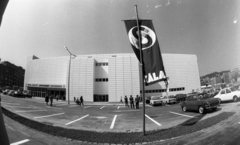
228,91
223,92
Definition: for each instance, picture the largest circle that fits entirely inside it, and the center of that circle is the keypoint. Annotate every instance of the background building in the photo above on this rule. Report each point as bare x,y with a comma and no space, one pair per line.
107,77
11,75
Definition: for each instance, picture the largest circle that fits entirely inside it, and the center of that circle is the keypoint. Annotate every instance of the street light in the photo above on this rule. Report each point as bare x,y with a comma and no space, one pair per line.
69,66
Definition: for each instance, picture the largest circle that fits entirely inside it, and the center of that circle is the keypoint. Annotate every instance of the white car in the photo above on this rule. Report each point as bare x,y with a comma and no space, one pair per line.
167,100
228,94
155,100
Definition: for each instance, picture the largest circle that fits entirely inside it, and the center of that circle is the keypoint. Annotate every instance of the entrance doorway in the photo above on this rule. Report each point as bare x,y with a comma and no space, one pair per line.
100,98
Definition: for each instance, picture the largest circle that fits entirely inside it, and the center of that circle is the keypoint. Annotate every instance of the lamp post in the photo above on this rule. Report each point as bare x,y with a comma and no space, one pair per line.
69,66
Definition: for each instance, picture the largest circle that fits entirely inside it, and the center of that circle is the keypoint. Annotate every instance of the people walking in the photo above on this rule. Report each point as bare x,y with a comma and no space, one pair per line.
131,102
81,100
126,101
121,100
74,99
51,100
137,102
47,99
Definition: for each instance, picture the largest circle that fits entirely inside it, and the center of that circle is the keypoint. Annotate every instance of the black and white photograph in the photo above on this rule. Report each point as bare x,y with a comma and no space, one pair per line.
120,72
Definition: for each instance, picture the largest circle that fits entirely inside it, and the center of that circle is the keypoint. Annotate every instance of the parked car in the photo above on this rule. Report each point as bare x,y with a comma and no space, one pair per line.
228,94
11,93
180,97
5,92
168,99
18,93
147,99
26,93
155,100
193,102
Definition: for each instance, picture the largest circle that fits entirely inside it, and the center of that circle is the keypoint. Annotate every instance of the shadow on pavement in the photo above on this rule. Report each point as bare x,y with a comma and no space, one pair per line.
192,121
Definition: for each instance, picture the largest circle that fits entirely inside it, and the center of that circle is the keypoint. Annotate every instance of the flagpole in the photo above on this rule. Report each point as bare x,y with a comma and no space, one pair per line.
142,69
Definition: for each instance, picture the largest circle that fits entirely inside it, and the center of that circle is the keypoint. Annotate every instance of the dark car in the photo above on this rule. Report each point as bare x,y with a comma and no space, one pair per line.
5,92
18,93
193,102
180,97
26,94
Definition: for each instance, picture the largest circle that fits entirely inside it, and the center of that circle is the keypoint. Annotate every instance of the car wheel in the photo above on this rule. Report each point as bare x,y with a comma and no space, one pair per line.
235,99
184,108
201,110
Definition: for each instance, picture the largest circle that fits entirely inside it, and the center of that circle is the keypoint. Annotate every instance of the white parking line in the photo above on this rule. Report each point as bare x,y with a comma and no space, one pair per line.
20,142
153,120
87,107
48,115
76,120
74,106
30,111
124,110
61,104
53,107
9,127
182,114
10,103
102,107
15,106
113,122
118,107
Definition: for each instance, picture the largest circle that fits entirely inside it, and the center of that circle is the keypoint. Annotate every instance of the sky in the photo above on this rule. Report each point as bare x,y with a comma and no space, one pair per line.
209,29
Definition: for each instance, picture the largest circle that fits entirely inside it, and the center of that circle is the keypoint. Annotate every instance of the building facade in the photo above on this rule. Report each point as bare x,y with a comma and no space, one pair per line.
107,77
11,75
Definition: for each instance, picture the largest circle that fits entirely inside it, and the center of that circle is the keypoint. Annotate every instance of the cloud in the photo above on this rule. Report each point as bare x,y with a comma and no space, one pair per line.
235,20
179,1
157,6
168,3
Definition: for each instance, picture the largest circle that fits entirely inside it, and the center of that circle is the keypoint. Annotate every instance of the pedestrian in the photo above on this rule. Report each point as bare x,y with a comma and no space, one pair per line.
126,101
137,102
77,101
74,99
51,99
131,102
47,99
81,100
121,100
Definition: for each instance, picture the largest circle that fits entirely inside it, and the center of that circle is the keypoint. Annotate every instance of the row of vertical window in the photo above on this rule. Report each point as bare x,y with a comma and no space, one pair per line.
101,80
102,64
164,90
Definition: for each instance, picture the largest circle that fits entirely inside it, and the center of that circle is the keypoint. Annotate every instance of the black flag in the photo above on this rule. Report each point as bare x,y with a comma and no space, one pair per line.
152,59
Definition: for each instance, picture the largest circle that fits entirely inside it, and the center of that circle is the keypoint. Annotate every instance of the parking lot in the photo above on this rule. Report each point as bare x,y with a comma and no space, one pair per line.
110,117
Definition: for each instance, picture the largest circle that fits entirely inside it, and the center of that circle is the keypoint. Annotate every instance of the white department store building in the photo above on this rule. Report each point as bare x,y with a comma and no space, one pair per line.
107,77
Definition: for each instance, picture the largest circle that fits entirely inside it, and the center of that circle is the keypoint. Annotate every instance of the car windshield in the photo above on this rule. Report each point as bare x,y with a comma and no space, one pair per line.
155,98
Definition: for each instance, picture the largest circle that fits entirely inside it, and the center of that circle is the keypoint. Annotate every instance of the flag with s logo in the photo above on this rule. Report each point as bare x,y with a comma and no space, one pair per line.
152,59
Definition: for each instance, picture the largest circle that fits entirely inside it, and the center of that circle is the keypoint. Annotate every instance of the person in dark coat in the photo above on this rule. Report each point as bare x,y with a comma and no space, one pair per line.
137,102
81,100
47,99
126,101
77,101
51,99
131,102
